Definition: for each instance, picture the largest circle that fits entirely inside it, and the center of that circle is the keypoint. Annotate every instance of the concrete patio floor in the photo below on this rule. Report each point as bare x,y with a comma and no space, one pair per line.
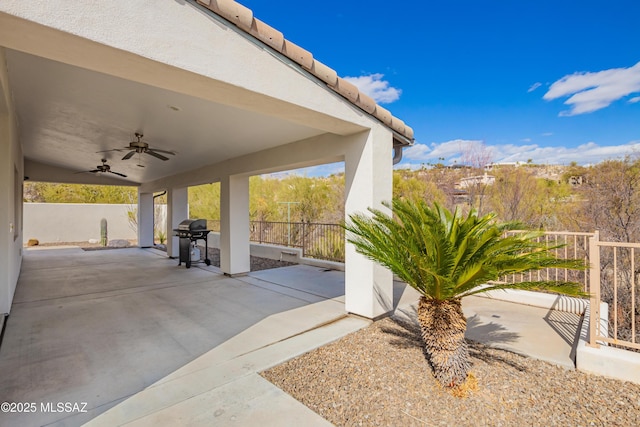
142,341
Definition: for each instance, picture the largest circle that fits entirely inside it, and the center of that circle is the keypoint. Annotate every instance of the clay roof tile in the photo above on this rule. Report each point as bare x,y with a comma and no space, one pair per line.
298,54
347,89
267,35
324,73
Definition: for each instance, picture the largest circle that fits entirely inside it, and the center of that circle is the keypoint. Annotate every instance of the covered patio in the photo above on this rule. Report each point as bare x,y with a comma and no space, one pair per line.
217,92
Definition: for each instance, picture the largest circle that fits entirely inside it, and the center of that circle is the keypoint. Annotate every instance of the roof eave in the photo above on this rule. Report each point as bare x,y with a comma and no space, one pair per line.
242,17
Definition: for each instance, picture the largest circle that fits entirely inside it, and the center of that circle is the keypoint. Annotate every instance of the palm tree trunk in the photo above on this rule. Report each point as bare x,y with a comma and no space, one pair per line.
443,326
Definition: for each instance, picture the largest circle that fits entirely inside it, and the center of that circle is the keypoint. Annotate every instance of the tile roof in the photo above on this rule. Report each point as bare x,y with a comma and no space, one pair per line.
242,17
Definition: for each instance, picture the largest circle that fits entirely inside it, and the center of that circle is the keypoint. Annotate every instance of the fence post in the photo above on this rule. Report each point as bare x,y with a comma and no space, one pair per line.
304,239
594,290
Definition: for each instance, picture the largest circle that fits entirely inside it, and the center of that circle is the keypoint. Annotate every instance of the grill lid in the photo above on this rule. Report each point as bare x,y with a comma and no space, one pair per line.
193,225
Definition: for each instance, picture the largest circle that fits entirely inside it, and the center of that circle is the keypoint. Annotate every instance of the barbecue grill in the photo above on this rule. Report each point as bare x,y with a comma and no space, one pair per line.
190,231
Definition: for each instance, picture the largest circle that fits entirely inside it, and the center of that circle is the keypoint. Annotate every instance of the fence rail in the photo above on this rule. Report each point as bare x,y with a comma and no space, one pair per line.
320,241
570,245
614,279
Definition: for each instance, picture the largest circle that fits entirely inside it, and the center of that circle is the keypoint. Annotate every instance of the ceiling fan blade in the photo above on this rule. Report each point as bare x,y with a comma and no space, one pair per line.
128,155
154,154
113,149
118,173
95,170
162,151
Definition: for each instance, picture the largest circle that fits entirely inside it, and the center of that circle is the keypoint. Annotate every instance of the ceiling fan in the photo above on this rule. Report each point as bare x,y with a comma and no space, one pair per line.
141,147
104,167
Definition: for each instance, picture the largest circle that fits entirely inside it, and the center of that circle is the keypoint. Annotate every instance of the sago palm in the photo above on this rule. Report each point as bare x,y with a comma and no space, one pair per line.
447,256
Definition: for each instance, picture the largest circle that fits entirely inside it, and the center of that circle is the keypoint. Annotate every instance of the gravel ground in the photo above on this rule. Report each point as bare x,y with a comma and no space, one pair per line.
378,376
257,263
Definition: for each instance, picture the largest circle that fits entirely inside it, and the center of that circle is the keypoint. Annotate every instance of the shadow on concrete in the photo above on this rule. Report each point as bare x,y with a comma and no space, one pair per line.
489,333
564,323
567,325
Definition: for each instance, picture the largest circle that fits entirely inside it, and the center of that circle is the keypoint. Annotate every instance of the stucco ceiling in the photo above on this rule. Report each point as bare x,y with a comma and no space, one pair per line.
66,115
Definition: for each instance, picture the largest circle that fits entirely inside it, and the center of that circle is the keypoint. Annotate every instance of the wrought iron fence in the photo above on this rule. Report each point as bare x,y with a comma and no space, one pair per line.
320,241
615,272
573,245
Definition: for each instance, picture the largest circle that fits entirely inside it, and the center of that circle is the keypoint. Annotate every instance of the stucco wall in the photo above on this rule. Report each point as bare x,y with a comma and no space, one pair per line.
75,222
11,174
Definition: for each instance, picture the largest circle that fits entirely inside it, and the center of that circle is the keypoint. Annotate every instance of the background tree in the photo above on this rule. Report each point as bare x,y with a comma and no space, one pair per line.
440,185
46,192
512,195
204,201
519,195
407,186
476,156
263,199
612,200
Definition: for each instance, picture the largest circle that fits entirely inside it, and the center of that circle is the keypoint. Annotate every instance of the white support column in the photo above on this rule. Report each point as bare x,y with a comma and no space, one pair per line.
234,225
145,220
177,211
369,177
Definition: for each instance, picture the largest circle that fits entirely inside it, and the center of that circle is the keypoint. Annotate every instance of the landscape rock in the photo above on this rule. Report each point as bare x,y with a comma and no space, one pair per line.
118,243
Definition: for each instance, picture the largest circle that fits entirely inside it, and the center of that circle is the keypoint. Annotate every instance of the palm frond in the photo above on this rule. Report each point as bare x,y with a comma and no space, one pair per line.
558,287
445,255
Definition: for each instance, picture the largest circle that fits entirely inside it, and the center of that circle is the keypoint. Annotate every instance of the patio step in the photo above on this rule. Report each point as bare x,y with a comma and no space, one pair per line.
224,385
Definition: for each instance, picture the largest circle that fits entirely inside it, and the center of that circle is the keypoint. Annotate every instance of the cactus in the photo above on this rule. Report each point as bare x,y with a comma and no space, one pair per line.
103,232
162,237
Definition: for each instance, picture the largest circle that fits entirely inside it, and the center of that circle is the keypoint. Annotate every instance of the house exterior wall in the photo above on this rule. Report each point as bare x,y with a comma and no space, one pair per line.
11,178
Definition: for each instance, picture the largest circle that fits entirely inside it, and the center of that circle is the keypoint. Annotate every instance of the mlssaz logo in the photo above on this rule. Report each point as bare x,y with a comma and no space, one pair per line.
66,407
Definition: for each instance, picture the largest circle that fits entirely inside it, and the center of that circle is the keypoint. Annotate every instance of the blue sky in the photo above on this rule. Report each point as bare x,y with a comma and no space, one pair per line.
551,81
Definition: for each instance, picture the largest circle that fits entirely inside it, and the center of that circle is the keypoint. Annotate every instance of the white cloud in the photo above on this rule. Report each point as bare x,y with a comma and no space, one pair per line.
420,155
594,91
453,149
433,153
525,140
534,86
376,88
634,100
589,153
416,152
547,134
